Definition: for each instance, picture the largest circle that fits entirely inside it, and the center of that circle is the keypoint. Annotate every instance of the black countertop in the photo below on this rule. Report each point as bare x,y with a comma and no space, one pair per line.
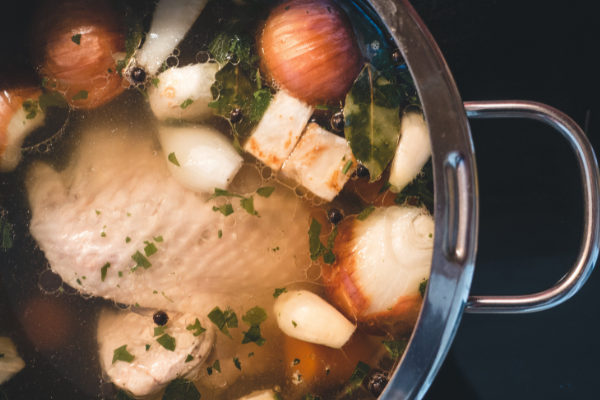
530,195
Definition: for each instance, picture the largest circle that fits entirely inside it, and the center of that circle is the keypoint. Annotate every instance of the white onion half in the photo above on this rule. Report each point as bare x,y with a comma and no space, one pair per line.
413,150
207,159
178,85
171,21
305,316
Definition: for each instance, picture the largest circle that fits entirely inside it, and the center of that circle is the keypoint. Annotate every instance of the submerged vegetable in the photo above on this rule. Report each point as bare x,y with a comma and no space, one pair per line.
304,315
10,362
20,114
309,47
381,262
171,21
79,70
200,158
413,150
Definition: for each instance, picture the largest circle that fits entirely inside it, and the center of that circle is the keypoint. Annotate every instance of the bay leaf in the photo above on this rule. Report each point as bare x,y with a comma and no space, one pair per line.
372,114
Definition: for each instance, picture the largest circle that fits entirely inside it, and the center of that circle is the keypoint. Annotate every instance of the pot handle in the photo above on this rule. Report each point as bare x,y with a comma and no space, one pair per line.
588,166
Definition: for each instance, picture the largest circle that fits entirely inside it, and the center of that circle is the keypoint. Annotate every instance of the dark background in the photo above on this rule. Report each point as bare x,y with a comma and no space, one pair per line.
530,195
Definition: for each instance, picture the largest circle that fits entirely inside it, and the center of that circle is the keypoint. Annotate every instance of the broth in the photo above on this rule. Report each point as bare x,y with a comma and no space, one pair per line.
53,318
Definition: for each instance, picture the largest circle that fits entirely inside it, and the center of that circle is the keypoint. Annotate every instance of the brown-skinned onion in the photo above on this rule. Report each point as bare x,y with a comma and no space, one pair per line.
73,68
309,47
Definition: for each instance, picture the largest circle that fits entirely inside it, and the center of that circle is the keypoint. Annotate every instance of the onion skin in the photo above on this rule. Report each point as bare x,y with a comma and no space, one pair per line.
70,67
309,47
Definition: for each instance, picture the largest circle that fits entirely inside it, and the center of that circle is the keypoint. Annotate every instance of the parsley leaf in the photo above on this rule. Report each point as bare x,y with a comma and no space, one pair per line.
250,354
347,167
155,82
395,347
147,347
220,234
31,108
317,248
225,209
150,249
294,323
217,366
166,341
254,335
127,239
364,214
237,363
423,287
223,320
255,316
222,193
141,260
262,99
186,103
158,239
81,95
197,327
248,205
279,292
181,389
173,159
6,240
189,358
359,374
52,99
121,354
266,191
416,193
76,39
103,271
159,330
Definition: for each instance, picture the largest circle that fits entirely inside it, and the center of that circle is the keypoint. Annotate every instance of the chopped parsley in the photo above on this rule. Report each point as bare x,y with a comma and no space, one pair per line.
347,167
296,361
275,249
216,366
262,99
196,327
120,274
294,323
150,249
250,354
129,214
167,341
103,234
223,319
310,396
237,363
266,191
6,240
76,39
127,239
364,214
220,234
155,82
121,354
78,281
279,292
186,103
416,193
248,205
189,358
147,347
395,347
98,212
317,248
423,287
173,159
255,316
222,193
52,99
158,239
44,82
137,305
359,374
225,209
155,292
140,260
81,95
159,330
165,296
254,336
143,92
181,389
103,271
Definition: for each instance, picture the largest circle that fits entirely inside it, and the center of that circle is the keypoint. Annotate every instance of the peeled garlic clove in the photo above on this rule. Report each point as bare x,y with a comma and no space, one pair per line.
260,395
152,368
279,130
206,158
10,362
184,93
171,21
322,162
305,316
381,263
16,122
413,150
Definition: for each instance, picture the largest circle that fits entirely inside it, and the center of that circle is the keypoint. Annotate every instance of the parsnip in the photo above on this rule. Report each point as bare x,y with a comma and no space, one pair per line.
305,316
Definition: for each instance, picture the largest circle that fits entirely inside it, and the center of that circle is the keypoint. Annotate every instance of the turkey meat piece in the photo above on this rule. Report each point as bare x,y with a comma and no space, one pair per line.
116,199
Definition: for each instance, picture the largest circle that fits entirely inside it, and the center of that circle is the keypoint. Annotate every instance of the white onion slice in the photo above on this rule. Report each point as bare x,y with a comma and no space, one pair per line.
413,150
305,316
171,21
207,159
10,363
319,160
178,85
279,130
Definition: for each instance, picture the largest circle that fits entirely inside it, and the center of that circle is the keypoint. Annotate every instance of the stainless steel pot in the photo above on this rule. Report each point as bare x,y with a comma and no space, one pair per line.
456,204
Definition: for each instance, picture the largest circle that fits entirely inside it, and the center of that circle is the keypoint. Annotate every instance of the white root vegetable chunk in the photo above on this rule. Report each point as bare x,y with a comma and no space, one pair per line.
382,262
171,21
154,368
413,150
322,162
305,316
184,93
259,395
10,363
206,158
14,128
279,130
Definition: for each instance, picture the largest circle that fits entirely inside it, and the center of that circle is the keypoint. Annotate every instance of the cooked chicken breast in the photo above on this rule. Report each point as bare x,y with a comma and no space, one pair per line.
116,200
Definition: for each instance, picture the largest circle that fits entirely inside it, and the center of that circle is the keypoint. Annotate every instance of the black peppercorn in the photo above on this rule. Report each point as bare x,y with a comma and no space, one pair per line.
236,116
138,75
362,171
377,383
335,216
160,318
397,57
337,121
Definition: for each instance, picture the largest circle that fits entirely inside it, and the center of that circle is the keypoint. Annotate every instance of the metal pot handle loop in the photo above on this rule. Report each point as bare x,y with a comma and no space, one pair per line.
588,166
